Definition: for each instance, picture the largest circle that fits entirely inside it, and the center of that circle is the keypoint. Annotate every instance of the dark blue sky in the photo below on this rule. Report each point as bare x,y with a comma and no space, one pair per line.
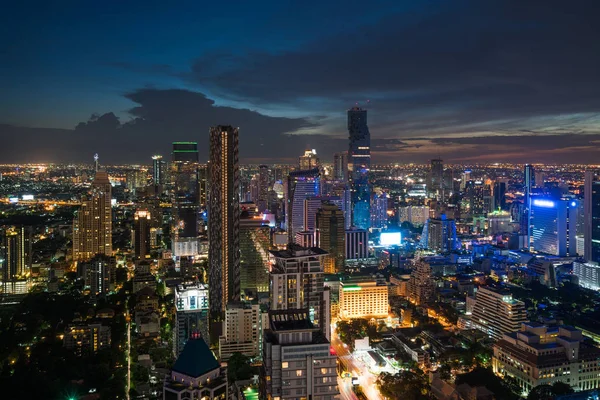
468,80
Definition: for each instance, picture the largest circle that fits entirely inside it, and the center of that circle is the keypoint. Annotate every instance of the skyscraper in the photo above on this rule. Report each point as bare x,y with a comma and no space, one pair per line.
92,226
357,244
158,172
300,185
439,234
528,184
184,173
592,216
16,257
224,218
359,165
309,160
553,225
99,273
436,179
191,314
203,185
255,241
263,188
379,205
340,166
331,236
142,220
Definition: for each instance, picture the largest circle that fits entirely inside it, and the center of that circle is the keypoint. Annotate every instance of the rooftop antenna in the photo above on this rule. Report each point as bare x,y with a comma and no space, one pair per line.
96,162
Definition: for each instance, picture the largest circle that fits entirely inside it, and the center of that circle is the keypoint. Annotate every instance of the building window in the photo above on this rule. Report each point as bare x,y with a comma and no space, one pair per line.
284,364
299,372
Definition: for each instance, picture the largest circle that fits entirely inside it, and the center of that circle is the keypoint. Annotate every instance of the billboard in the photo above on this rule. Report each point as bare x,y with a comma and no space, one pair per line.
389,239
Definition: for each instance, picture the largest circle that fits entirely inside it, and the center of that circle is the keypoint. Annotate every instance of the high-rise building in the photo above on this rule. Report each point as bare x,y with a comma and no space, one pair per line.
537,354
587,273
435,184
439,234
92,226
312,205
224,218
296,282
241,331
255,242
203,185
16,253
99,273
363,297
300,186
191,314
297,361
263,188
309,160
499,222
415,215
142,220
184,173
340,166
495,312
306,239
331,237
158,170
499,196
359,165
554,225
528,184
357,244
592,216
379,217
421,286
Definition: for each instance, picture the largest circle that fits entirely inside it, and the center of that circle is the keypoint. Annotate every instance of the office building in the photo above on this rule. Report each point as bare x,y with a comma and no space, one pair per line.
241,331
99,273
306,239
499,196
142,222
92,225
159,171
537,355
309,160
543,271
255,242
313,204
296,281
184,175
340,166
263,188
379,207
191,314
331,237
587,273
87,339
196,374
592,216
224,218
16,253
359,165
495,312
528,184
357,244
439,234
415,215
435,184
297,361
499,222
363,297
421,287
300,186
554,225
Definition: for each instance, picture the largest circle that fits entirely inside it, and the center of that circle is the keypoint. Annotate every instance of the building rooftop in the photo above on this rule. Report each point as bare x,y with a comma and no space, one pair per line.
196,359
295,251
290,320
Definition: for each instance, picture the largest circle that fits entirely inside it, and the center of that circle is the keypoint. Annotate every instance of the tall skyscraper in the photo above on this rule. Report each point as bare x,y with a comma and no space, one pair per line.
191,314
300,186
184,173
92,226
592,216
436,179
16,253
357,244
263,188
309,160
439,234
554,225
528,184
158,172
340,166
142,220
99,273
379,205
500,195
421,286
203,185
224,218
255,241
331,237
359,165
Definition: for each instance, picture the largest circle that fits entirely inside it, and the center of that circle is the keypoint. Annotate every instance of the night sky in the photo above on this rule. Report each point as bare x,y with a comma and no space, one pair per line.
470,81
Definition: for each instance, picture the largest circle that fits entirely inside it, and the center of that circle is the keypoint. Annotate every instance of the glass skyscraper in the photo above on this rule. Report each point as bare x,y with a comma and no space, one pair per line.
359,164
592,216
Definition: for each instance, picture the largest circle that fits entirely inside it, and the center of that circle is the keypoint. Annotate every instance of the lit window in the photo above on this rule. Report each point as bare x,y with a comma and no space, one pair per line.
284,364
299,372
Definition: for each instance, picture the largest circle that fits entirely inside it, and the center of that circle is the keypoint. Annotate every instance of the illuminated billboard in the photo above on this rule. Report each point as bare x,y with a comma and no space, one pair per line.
389,239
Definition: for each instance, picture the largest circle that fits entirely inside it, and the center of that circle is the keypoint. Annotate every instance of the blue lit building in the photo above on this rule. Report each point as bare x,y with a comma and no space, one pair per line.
359,164
439,234
553,225
300,186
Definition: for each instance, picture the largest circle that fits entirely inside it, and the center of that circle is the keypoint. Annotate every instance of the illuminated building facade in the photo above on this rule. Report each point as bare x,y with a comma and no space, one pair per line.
263,188
357,244
359,165
99,273
300,186
191,314
309,160
331,237
159,171
591,216
224,218
241,331
92,226
86,339
363,298
495,312
415,215
439,234
142,221
587,273
379,205
16,253
421,286
184,175
255,242
435,184
340,166
554,225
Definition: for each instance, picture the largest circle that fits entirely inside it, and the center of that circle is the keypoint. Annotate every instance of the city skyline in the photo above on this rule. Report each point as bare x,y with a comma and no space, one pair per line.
501,80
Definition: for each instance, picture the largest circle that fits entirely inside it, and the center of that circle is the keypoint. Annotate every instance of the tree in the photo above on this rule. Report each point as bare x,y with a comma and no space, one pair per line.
405,385
549,392
239,368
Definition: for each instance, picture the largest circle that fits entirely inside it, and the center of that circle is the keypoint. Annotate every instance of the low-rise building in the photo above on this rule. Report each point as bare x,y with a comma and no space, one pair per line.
496,312
361,298
538,354
87,338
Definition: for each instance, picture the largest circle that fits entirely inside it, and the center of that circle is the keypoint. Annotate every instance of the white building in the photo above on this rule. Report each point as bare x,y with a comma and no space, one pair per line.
191,316
588,274
495,312
241,331
363,298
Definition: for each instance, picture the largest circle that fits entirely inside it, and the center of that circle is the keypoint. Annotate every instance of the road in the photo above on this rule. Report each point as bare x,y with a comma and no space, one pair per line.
366,379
